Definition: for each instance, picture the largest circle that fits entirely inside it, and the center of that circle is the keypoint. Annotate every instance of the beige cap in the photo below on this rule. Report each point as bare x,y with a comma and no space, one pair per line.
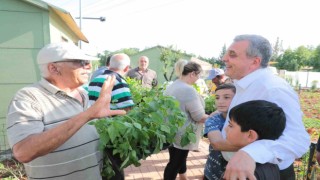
60,52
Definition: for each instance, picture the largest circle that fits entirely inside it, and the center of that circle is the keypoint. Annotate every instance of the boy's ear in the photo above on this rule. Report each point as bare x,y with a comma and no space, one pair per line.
252,136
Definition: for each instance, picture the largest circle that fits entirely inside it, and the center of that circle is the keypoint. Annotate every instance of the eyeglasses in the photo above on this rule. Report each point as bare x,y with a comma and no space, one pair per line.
77,61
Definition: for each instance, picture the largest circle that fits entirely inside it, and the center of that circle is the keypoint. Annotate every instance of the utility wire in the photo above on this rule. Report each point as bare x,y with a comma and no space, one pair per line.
106,8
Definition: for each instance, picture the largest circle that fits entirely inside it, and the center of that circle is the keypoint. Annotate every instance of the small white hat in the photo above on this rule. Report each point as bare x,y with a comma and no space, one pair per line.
60,52
214,72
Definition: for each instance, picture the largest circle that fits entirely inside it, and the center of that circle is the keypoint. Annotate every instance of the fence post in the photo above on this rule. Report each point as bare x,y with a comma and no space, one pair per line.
312,160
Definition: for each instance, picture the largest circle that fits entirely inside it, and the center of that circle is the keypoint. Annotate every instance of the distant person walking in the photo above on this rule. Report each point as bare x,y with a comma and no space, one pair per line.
148,77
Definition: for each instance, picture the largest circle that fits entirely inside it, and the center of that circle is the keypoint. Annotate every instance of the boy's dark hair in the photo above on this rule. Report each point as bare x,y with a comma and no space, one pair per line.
226,86
266,118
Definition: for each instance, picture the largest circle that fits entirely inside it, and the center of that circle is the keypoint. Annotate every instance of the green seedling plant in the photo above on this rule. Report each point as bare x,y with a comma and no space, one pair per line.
149,127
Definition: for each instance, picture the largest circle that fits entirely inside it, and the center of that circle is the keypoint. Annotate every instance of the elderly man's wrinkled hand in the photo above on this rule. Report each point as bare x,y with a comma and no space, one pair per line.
101,108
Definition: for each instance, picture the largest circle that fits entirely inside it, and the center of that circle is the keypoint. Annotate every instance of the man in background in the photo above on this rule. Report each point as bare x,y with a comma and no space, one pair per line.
120,98
148,77
217,78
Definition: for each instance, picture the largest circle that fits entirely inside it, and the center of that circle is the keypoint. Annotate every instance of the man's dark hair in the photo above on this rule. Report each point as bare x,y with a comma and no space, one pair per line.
266,118
108,60
226,86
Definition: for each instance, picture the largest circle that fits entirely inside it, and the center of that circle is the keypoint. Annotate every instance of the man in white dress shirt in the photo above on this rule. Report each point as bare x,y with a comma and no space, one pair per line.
246,63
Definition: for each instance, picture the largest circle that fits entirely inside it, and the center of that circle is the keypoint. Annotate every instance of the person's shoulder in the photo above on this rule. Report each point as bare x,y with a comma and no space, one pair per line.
216,122
132,71
189,90
30,91
277,84
215,117
152,71
102,68
98,79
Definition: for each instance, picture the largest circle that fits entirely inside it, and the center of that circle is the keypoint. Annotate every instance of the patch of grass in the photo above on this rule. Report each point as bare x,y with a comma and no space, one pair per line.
311,123
12,169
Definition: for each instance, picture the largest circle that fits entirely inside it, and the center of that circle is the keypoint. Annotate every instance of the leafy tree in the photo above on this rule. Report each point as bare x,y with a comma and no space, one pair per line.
103,57
287,61
219,60
204,59
277,49
222,52
294,60
212,60
315,60
304,55
128,51
169,57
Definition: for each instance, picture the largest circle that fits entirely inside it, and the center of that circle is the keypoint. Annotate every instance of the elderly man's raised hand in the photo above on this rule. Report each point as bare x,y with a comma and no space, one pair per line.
101,108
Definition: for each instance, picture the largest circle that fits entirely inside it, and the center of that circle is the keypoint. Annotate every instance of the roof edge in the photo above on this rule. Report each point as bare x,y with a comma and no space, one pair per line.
69,21
65,16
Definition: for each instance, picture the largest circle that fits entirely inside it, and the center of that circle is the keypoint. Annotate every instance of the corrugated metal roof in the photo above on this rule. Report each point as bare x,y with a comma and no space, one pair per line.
63,14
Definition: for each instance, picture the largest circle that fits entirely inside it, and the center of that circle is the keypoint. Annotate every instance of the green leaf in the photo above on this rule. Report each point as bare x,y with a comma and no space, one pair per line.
192,137
184,140
155,116
120,127
113,133
124,163
165,128
104,139
137,125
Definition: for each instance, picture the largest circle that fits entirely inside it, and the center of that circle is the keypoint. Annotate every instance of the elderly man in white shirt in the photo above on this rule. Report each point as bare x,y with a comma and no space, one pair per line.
246,63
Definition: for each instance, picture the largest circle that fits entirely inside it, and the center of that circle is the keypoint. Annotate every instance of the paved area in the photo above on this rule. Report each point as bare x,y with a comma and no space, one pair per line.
152,168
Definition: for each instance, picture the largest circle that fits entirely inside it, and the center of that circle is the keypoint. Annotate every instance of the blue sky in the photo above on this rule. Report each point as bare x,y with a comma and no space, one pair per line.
200,27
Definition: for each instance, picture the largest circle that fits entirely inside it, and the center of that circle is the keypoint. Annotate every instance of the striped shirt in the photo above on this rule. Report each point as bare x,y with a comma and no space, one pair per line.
120,97
43,106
